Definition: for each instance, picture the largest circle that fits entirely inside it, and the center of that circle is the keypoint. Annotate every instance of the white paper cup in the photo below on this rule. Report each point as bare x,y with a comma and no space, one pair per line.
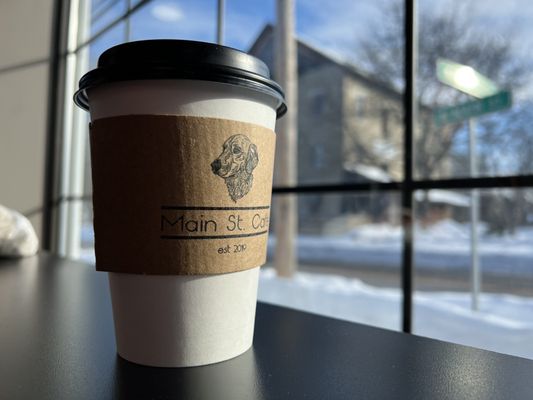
183,320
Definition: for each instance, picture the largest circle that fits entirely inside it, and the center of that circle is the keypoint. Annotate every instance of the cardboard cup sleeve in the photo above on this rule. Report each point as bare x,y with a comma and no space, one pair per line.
180,195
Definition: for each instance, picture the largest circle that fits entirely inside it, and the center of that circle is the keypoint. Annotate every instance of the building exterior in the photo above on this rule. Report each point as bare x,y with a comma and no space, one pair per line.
349,130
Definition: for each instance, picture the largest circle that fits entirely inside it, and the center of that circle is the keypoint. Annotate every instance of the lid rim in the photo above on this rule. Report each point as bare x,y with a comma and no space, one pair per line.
215,63
82,101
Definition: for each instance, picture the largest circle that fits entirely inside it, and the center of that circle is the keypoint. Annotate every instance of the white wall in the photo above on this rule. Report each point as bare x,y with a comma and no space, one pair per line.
25,34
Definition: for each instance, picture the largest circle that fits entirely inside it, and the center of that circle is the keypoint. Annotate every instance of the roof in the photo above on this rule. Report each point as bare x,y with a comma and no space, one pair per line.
369,172
445,197
320,56
437,196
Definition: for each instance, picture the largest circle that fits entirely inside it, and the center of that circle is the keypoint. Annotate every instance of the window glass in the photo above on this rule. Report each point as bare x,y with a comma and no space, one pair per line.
172,19
340,105
351,129
474,83
246,21
104,12
114,36
349,252
443,302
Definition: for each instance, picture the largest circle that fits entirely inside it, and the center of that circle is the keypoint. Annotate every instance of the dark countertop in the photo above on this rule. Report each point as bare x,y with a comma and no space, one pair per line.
57,342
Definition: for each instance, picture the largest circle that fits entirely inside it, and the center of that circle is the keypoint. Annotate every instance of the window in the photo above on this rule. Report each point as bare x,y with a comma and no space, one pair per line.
318,101
373,173
385,115
360,106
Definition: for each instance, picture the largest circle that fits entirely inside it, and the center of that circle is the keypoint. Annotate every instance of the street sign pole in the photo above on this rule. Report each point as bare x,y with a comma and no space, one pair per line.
490,99
475,273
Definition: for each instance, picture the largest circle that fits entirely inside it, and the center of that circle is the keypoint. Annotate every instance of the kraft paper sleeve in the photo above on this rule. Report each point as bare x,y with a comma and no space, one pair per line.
180,195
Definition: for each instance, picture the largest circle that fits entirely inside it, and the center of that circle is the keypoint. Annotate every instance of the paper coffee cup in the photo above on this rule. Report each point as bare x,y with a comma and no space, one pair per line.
182,149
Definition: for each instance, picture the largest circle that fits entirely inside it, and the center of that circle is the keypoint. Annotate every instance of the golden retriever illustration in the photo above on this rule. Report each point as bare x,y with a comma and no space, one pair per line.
235,165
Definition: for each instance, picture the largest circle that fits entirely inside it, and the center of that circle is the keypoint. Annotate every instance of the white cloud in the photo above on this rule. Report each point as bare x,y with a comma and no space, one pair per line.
196,22
167,12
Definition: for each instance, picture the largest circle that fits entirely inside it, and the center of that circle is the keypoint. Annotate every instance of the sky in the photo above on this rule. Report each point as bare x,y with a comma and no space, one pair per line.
333,26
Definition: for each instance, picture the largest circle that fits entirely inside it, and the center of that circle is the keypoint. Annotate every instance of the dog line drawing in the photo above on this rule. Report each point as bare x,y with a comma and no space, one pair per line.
235,165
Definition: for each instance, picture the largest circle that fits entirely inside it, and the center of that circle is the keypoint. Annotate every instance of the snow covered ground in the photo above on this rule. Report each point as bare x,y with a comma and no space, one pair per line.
503,324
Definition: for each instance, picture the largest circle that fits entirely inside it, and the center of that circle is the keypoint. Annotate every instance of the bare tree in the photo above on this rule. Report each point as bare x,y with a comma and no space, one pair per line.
508,149
450,34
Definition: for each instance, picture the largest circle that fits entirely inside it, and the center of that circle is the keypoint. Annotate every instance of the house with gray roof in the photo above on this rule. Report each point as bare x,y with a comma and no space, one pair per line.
350,129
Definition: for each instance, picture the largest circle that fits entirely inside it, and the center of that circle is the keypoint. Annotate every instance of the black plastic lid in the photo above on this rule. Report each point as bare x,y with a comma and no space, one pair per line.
180,59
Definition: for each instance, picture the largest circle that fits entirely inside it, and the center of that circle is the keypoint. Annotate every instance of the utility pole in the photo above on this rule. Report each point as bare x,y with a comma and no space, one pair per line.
285,207
220,22
127,24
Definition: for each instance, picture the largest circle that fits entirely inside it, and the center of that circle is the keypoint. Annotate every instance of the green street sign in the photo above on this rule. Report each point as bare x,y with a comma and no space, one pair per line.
470,109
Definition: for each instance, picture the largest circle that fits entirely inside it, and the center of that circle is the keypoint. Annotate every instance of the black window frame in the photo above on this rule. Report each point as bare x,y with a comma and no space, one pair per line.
409,184
405,188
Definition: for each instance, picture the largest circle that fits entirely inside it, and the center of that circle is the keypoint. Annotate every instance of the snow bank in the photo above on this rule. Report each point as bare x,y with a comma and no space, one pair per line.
503,324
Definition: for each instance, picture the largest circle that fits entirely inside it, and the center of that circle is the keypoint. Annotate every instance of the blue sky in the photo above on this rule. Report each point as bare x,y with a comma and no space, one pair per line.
333,26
